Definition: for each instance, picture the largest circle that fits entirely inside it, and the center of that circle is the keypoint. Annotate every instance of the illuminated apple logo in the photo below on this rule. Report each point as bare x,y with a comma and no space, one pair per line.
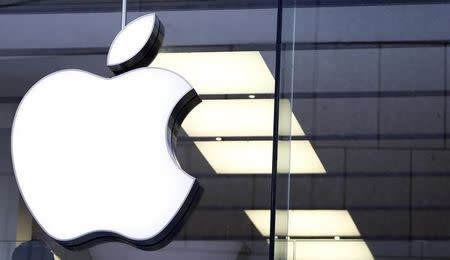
93,157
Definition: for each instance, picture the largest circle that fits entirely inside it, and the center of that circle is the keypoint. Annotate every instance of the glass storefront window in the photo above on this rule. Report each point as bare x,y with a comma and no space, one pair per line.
358,91
369,86
225,52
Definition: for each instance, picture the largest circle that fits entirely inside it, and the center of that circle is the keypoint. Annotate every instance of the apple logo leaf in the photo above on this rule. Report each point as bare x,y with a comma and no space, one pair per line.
94,157
136,45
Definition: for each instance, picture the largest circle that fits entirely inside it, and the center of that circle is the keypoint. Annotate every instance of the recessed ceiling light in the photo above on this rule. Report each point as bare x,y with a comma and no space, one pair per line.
317,223
309,223
251,96
218,138
325,249
237,72
238,117
255,157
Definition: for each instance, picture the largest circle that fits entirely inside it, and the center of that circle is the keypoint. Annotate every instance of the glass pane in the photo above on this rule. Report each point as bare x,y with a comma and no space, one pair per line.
287,125
225,50
370,94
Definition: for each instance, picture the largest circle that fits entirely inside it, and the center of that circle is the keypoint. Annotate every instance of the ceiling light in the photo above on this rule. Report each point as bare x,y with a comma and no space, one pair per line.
255,157
239,117
309,223
355,249
317,223
238,72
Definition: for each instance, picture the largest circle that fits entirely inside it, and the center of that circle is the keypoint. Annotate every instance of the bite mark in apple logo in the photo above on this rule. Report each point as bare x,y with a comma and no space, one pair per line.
94,158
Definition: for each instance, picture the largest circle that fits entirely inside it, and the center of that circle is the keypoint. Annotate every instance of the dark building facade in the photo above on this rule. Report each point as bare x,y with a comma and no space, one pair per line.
354,93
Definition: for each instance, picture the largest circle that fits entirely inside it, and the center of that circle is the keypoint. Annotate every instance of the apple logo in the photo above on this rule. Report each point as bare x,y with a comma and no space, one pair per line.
93,157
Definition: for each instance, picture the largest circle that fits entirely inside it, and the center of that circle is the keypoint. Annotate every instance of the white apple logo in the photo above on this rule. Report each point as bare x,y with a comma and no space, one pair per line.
93,156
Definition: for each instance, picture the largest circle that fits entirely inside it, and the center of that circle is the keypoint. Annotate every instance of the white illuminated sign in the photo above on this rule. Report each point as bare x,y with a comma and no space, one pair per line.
93,156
